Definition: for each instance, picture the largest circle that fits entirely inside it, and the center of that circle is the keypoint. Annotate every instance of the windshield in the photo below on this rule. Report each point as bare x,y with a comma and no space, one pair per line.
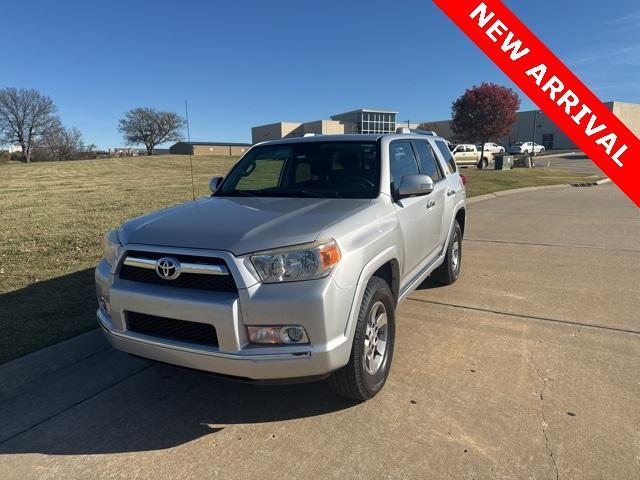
518,144
307,169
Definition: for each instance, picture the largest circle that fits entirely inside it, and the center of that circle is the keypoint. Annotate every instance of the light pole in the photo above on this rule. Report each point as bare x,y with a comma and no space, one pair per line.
533,132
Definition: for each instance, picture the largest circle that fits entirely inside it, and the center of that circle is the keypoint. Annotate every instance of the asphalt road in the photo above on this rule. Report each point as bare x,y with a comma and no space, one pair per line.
576,162
527,368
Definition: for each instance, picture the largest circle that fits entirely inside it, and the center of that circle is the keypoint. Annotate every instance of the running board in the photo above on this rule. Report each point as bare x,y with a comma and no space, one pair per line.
420,277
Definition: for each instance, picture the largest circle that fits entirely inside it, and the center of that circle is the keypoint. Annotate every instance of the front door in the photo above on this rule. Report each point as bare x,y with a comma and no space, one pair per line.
420,217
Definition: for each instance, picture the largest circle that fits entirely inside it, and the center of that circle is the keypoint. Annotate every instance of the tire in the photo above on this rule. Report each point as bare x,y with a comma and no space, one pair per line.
482,164
449,271
364,376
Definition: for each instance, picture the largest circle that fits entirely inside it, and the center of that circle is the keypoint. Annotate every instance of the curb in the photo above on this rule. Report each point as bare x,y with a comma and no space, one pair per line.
506,193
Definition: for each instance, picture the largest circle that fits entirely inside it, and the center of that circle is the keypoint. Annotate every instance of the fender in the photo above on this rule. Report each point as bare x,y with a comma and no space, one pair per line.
386,255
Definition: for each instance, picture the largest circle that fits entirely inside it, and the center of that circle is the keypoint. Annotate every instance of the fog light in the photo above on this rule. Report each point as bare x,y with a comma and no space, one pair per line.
278,334
295,334
104,305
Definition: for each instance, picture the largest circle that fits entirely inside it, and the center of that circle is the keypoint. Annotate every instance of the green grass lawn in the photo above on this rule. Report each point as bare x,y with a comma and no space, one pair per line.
54,214
480,182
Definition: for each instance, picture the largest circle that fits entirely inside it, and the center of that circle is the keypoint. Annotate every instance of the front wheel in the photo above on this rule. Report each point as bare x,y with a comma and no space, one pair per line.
449,271
372,350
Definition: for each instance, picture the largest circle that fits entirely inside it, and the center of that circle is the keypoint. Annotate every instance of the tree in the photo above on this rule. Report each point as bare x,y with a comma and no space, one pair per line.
484,112
63,143
150,127
25,117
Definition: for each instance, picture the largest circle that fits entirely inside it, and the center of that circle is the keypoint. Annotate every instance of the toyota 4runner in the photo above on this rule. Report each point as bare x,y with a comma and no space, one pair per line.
292,269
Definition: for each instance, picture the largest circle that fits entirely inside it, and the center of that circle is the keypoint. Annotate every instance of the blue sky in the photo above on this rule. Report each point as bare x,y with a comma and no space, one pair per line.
246,63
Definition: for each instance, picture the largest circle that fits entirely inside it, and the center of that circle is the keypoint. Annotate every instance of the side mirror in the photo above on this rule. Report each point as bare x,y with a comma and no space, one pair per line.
214,183
415,185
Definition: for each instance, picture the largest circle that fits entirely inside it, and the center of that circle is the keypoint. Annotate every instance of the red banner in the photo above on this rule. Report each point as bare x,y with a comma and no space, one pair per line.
552,86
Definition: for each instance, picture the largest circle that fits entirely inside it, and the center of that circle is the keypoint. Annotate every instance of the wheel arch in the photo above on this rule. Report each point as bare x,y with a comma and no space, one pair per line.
461,216
390,273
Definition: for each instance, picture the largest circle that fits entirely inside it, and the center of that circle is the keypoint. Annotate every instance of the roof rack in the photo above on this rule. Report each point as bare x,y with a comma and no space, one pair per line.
418,131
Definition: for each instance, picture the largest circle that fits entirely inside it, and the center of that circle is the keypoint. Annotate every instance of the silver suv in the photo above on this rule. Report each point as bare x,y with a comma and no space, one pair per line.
293,268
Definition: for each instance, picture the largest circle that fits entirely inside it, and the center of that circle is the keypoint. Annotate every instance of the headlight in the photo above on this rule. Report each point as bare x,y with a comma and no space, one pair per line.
111,247
301,262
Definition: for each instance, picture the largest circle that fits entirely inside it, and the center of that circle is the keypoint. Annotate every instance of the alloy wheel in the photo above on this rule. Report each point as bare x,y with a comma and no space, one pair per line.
375,339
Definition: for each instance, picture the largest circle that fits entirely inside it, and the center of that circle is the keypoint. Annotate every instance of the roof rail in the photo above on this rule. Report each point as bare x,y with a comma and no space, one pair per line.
418,131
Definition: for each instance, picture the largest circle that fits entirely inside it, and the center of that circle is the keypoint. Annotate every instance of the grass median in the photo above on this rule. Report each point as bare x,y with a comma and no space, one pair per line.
480,182
53,216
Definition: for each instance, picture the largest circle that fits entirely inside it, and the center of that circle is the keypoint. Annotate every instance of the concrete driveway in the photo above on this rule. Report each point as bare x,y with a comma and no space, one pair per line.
528,367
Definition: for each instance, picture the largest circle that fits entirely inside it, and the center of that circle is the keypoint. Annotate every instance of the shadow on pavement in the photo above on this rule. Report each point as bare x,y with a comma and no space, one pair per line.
45,313
574,157
428,284
162,406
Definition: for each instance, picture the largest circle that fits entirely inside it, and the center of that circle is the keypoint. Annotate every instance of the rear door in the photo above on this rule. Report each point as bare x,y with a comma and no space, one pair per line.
454,187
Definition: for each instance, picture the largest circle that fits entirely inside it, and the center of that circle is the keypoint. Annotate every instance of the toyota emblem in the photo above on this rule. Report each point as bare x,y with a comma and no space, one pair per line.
168,268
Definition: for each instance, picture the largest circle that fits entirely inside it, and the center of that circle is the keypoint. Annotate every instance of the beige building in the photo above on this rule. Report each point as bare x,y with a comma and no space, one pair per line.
546,132
210,148
356,121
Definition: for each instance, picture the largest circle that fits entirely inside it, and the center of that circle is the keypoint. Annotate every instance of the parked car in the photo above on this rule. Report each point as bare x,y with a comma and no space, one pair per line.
295,265
492,148
467,154
521,148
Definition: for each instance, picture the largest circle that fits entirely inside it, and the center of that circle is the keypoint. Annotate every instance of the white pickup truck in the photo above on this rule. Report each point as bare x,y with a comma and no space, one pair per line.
468,154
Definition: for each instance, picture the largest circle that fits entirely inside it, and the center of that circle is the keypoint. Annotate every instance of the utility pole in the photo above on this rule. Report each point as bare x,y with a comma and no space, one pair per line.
533,132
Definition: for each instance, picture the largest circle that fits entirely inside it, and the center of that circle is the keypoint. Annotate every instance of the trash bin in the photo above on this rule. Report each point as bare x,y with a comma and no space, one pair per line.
524,162
504,162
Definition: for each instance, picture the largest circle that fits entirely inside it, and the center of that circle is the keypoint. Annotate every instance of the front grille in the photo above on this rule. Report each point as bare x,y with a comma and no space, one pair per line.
195,281
171,329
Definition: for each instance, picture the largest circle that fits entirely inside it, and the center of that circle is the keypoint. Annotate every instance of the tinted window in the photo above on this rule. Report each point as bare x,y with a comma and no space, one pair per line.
307,169
446,154
428,162
402,162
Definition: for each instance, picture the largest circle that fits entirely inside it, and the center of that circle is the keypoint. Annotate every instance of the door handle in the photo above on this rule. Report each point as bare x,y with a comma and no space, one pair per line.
430,204
450,192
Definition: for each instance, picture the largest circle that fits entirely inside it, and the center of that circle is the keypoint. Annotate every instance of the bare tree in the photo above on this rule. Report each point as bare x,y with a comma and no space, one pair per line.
150,127
25,117
63,143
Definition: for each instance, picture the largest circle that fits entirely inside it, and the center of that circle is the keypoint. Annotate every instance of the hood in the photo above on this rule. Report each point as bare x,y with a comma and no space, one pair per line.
239,225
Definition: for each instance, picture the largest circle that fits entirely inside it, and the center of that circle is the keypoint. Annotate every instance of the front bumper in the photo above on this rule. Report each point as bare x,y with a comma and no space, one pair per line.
320,306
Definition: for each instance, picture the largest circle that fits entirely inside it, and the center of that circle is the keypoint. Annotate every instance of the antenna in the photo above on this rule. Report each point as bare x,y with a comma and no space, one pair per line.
193,187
